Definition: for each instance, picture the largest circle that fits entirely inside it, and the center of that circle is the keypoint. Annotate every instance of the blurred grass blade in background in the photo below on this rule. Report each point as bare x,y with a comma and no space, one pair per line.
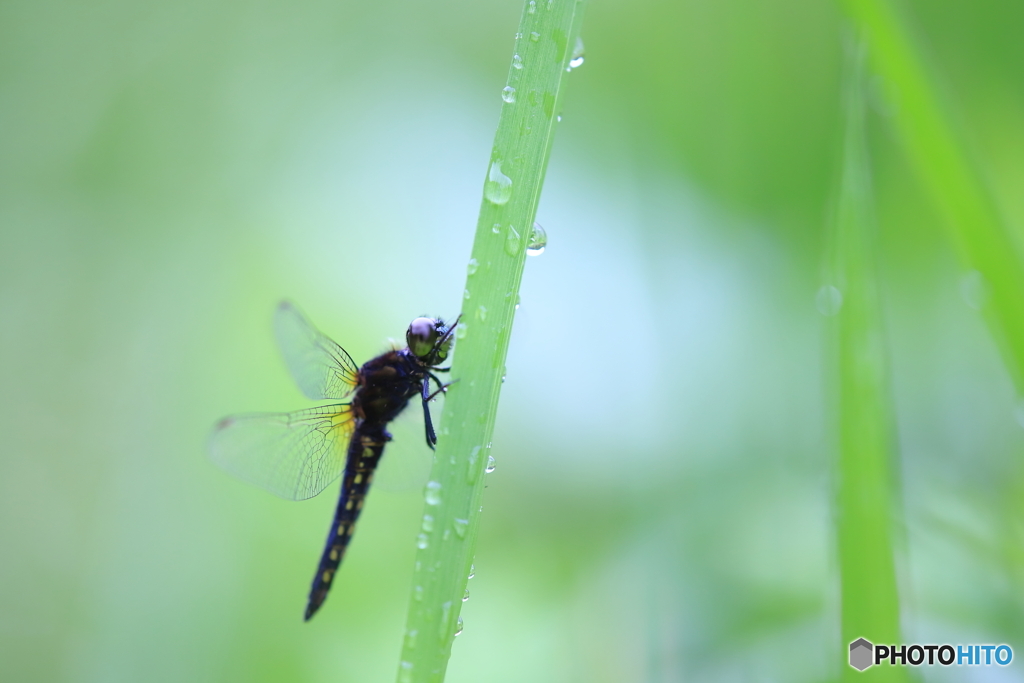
861,400
937,151
547,47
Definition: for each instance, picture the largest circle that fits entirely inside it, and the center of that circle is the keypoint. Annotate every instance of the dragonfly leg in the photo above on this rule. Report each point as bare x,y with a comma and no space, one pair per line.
431,436
441,388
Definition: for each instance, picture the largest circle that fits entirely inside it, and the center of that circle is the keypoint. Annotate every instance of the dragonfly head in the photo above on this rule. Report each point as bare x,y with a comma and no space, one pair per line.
429,339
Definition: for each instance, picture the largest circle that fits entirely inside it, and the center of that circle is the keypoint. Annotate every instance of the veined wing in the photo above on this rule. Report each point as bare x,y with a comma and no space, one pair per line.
293,455
321,368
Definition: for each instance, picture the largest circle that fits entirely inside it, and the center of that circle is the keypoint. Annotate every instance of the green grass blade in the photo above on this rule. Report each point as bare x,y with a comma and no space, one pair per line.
943,164
544,46
869,596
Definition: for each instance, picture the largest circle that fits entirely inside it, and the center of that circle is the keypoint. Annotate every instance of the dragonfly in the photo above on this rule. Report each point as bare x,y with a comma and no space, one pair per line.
297,455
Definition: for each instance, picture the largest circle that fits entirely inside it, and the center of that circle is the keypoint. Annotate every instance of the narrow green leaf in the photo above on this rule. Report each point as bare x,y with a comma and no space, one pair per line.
864,412
940,158
545,45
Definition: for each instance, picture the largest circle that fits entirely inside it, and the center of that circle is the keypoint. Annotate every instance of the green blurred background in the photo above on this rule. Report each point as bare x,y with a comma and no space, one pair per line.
662,505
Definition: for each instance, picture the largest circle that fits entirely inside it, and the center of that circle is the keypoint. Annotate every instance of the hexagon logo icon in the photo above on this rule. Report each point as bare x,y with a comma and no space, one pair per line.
861,654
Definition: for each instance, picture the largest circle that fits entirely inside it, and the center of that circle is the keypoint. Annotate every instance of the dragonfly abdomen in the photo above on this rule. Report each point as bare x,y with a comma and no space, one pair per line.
364,452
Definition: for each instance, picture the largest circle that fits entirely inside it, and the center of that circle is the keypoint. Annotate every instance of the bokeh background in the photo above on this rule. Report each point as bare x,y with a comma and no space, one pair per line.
663,500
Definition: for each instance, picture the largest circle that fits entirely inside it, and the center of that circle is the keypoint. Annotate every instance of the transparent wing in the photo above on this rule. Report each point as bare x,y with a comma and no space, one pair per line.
293,455
321,368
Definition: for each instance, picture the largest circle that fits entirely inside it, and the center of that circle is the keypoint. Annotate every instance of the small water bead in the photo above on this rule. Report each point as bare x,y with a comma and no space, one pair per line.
534,36
405,672
461,330
428,523
828,300
422,541
508,93
444,628
465,295
433,493
417,593
410,639
513,242
472,571
518,301
490,464
498,188
446,535
466,596
496,228
458,627
472,266
538,240
532,7
461,526
481,313
558,119
471,465
576,59
517,62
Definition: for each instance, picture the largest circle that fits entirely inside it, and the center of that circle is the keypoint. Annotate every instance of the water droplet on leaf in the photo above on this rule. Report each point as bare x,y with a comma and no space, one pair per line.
498,188
508,93
513,242
433,493
538,240
576,59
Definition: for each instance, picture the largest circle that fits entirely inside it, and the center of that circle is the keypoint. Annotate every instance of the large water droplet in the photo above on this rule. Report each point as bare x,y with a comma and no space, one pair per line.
828,300
472,266
433,493
534,36
428,523
498,188
458,627
508,93
460,526
576,59
513,242
538,240
490,464
422,541
517,62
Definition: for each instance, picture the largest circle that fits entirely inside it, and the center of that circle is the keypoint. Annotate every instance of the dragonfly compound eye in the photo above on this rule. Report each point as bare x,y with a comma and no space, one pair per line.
421,336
